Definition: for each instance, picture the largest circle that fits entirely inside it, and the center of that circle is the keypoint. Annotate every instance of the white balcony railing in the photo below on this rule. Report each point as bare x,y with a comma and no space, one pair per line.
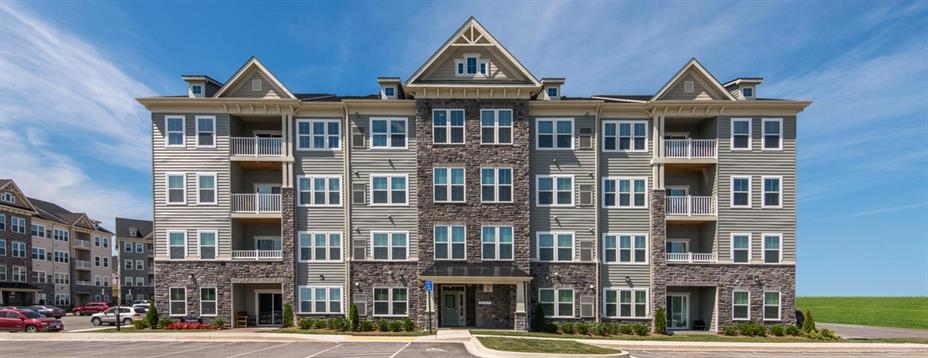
82,244
256,203
690,205
692,257
84,283
256,255
257,147
84,264
689,148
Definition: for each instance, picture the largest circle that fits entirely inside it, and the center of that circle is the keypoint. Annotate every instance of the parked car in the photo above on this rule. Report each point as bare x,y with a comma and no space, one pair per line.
126,316
142,306
90,308
28,320
48,311
140,302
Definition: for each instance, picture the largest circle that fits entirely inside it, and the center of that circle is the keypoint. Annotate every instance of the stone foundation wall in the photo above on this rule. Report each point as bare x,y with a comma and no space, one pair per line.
579,276
367,275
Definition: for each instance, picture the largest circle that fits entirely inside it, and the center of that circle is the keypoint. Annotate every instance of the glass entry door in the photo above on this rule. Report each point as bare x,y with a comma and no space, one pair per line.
270,309
678,307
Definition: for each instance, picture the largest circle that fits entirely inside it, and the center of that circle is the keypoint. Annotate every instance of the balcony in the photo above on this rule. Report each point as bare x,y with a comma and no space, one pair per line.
691,208
692,257
83,283
257,255
82,264
256,148
82,244
256,205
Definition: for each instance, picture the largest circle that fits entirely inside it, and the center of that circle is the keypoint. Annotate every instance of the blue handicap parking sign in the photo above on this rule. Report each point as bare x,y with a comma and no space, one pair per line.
428,285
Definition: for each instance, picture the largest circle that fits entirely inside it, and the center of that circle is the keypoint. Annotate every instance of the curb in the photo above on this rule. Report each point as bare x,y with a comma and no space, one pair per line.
475,347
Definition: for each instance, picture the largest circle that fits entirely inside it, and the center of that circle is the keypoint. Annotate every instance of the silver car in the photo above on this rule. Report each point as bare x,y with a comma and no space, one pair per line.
126,316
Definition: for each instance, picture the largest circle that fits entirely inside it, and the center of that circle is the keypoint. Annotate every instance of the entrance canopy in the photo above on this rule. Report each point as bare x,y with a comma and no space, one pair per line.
472,273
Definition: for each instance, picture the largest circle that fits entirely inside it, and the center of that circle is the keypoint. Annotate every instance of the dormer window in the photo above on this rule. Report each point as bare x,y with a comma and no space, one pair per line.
8,197
389,92
471,66
196,90
552,92
747,92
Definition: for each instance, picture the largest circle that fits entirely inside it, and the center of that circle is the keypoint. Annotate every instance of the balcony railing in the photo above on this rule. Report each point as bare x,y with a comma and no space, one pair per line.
689,148
690,205
692,257
83,283
255,203
82,264
84,244
257,147
257,255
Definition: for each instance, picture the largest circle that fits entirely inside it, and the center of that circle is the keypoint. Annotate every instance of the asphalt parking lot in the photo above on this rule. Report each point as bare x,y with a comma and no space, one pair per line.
716,354
77,323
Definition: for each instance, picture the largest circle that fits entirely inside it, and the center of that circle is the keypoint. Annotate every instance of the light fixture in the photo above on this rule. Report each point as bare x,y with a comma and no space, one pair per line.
321,277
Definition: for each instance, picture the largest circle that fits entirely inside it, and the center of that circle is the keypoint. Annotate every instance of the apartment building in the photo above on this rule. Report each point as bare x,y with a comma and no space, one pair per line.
135,260
491,184
50,255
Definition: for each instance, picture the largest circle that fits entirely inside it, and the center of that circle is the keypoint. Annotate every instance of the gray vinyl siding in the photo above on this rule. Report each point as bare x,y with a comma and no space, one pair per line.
243,87
701,89
244,233
367,161
757,163
190,160
498,68
245,180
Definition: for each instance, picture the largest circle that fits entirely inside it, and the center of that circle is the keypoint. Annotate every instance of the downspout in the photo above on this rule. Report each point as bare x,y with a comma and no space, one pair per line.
348,200
596,130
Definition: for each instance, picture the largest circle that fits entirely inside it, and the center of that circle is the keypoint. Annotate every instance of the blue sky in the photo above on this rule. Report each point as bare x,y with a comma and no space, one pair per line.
71,132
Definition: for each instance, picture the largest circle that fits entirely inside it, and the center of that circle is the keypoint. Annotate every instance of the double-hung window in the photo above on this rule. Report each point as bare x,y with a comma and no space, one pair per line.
320,246
389,189
318,134
554,190
3,248
741,192
450,242
206,131
625,192
139,247
139,265
773,192
496,243
555,246
773,248
626,303
320,190
496,126
176,131
18,248
3,273
38,230
554,133
127,264
449,185
390,245
2,222
741,248
448,126
625,248
740,305
177,301
206,188
625,136
176,186
740,134
17,224
496,185
177,245
773,133
320,300
771,306
390,301
207,242
388,133
557,302
19,273
207,301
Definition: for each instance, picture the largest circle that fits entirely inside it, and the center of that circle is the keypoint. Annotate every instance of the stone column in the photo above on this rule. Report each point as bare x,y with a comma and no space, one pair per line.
288,244
520,317
658,237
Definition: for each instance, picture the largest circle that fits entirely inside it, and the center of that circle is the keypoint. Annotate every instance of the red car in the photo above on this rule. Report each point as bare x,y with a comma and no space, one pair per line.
28,320
90,308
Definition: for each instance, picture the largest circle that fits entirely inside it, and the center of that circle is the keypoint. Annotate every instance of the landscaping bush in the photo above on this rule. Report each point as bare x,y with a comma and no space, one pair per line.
730,330
305,323
829,335
165,322
601,329
382,325
367,326
396,326
792,330
660,321
338,324
140,324
641,329
808,324
288,315
778,330
539,323
353,318
565,327
409,325
188,326
218,322
584,328
151,317
319,323
626,329
752,329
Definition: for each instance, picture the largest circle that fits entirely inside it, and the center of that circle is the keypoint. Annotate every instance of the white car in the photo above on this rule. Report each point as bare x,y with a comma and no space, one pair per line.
126,316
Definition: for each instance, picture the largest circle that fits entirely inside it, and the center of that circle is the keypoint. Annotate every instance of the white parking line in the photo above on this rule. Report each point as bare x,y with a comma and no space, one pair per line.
191,350
260,350
89,329
401,349
324,350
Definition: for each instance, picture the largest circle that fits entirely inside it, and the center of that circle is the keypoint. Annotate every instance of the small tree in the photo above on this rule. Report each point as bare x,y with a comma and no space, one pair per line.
353,320
539,322
152,316
660,321
288,315
808,324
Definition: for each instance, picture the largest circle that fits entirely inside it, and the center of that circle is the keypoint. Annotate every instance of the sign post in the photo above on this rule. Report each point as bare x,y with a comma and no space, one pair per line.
428,295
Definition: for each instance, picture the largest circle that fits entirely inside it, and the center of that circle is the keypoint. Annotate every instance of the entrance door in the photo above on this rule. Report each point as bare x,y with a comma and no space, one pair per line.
678,306
269,308
452,307
267,243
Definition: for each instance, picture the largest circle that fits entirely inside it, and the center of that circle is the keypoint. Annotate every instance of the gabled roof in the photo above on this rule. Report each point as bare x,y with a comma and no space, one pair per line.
253,63
701,71
472,33
23,201
133,227
50,211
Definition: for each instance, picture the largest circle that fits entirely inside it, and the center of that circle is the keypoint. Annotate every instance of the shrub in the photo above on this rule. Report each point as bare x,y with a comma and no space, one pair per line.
288,315
539,323
778,330
584,328
218,322
730,330
140,324
601,329
382,325
626,329
319,323
337,323
353,318
165,322
792,330
808,324
641,329
752,329
367,326
152,316
566,328
188,326
305,323
829,335
660,321
409,325
396,326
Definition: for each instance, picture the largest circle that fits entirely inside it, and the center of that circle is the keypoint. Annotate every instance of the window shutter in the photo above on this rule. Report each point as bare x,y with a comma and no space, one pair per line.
586,195
359,193
586,306
359,249
586,138
586,251
358,138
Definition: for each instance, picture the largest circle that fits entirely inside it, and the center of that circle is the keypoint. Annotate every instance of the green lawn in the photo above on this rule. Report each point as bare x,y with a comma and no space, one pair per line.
542,346
692,338
901,312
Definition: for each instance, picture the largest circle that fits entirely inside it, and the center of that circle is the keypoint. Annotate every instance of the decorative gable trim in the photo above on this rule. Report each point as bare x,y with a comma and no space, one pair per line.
21,198
699,69
252,62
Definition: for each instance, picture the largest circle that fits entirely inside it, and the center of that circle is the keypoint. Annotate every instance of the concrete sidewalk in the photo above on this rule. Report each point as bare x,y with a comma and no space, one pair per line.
854,331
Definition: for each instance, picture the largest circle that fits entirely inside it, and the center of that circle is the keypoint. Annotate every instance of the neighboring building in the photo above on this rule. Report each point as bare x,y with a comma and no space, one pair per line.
17,286
136,259
491,184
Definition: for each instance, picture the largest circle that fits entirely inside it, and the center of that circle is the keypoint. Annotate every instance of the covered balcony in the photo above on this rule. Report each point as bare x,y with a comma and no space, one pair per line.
256,240
691,244
691,196
256,205
256,193
689,143
689,148
256,139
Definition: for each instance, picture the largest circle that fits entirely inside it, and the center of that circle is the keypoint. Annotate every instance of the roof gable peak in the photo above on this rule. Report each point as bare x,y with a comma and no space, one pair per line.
252,63
709,82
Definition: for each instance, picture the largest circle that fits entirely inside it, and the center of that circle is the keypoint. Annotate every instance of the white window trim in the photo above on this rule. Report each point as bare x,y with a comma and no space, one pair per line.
573,190
393,96
750,247
326,135
731,133
370,189
731,191
389,245
139,265
554,120
763,247
763,128
312,302
216,301
557,311
554,256
200,246
496,185
779,306
450,242
183,132
496,126
328,246
448,125
631,143
139,248
197,126
256,84
631,193
748,318
463,61
167,188
448,186
171,303
168,243
389,145
763,188
389,302
618,303
215,188
618,248
497,243
299,188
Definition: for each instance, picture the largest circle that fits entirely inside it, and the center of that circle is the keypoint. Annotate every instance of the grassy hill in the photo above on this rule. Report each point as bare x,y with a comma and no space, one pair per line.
901,312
